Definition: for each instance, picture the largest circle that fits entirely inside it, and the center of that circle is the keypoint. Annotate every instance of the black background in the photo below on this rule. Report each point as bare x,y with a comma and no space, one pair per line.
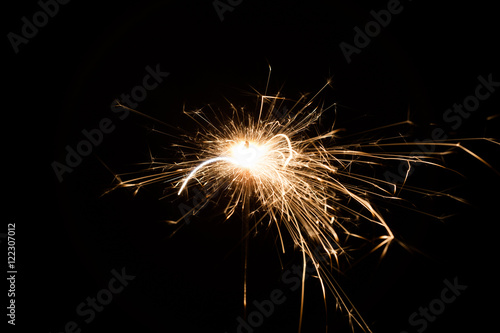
68,238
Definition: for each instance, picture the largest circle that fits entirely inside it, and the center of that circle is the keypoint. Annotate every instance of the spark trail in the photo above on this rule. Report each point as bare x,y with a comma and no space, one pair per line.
298,179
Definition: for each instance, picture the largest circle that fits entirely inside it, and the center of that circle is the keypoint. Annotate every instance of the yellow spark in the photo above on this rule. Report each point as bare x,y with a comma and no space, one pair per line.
300,181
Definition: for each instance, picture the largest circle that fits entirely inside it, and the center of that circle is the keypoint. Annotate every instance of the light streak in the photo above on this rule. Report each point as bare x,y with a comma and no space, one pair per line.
300,180
213,160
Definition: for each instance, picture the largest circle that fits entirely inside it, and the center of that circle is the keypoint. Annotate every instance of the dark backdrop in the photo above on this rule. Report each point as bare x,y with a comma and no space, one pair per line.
69,238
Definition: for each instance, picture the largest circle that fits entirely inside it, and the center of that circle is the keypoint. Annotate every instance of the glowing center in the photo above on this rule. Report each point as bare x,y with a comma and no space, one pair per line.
246,154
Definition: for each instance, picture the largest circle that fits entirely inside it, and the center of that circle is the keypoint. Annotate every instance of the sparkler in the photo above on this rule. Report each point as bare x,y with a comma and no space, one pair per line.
297,179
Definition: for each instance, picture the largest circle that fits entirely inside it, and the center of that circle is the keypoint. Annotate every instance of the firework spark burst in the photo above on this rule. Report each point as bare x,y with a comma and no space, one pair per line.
283,172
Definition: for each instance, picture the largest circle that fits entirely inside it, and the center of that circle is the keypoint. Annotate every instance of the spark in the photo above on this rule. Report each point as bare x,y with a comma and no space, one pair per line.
300,179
